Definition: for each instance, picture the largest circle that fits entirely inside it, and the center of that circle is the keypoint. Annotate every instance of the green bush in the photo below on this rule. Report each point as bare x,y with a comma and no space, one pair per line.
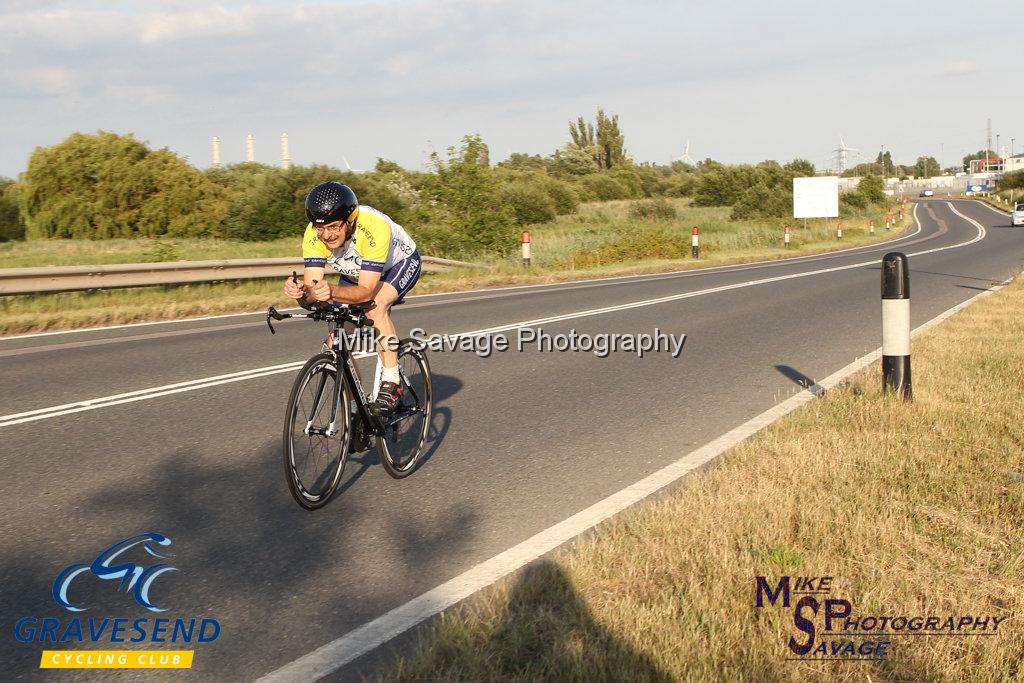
562,194
528,201
657,209
678,185
109,185
872,188
631,179
723,185
603,187
762,201
463,194
1012,181
852,201
269,202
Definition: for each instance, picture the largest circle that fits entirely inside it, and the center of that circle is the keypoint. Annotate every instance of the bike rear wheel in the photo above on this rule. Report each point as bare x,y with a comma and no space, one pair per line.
405,433
315,444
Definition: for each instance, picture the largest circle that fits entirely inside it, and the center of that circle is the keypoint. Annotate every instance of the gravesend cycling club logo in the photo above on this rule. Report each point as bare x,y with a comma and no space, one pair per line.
133,577
132,566
851,636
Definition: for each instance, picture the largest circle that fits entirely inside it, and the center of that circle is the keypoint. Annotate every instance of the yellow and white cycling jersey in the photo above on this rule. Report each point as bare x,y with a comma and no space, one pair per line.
378,243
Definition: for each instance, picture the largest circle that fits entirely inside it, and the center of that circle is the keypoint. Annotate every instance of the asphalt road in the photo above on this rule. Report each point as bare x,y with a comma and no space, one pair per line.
520,440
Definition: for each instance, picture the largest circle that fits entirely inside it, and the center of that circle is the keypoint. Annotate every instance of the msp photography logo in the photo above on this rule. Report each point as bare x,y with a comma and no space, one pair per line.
132,565
848,636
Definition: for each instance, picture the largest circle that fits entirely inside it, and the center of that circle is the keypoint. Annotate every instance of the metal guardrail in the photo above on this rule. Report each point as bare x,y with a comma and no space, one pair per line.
109,276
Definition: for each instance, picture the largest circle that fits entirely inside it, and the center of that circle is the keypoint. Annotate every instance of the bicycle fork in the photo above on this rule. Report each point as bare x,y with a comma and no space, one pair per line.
332,427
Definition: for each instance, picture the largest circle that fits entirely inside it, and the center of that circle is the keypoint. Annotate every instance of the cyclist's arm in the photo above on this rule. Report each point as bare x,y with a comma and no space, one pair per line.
361,292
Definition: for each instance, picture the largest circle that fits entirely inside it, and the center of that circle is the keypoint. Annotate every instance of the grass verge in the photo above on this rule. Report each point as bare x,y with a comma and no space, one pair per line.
915,509
601,240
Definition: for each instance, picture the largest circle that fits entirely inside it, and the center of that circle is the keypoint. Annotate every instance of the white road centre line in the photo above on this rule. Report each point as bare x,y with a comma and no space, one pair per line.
337,653
191,385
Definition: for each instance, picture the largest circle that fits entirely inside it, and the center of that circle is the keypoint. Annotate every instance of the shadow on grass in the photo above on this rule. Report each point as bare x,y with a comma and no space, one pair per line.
547,633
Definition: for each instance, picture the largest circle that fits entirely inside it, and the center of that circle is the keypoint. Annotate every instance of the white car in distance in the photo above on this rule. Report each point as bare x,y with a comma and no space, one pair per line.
1018,214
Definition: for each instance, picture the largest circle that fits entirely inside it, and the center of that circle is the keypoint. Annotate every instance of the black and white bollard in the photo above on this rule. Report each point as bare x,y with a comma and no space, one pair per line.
785,239
526,248
696,243
896,325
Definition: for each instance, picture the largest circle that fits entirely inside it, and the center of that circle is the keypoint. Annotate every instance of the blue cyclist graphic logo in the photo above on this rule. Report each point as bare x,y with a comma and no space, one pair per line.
133,577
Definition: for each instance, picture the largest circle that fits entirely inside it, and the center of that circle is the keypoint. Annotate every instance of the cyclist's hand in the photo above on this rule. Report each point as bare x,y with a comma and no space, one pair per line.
293,289
320,291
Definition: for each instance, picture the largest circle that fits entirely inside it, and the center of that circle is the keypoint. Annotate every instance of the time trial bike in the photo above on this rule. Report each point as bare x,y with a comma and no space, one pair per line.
328,415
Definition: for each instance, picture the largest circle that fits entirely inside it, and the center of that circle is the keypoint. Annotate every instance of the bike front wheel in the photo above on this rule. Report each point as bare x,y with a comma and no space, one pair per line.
405,433
317,430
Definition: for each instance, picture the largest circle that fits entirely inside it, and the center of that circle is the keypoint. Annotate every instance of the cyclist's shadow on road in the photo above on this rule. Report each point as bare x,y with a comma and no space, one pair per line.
547,633
443,387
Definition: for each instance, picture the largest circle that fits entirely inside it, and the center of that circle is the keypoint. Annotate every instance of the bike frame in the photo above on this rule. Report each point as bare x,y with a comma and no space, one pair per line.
337,316
351,377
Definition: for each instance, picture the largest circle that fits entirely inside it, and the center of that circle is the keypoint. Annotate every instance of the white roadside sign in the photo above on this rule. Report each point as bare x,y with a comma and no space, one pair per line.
816,197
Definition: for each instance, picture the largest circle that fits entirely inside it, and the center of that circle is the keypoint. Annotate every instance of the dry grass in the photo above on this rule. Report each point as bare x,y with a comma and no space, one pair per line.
917,509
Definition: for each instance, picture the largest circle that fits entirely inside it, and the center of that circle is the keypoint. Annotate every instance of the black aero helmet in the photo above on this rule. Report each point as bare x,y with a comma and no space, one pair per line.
329,202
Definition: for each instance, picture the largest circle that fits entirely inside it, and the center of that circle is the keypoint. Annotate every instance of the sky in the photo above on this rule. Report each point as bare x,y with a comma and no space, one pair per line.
741,81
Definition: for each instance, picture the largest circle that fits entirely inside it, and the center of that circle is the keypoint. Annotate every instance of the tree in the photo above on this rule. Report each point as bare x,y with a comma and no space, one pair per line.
610,140
926,167
109,185
864,169
12,227
604,143
800,168
525,162
465,190
572,160
872,188
885,161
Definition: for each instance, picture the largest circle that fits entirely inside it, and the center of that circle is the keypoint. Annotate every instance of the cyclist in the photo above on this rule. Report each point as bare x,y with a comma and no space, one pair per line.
377,260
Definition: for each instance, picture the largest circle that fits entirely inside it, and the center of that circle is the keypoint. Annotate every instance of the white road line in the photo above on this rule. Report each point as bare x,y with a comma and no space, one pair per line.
155,392
1001,212
337,653
640,278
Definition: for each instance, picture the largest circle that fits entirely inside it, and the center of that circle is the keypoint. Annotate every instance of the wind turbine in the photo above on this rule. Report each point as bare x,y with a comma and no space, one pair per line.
353,170
686,158
842,153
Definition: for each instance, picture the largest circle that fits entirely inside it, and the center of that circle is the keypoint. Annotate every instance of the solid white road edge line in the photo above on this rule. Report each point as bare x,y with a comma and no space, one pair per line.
338,653
154,392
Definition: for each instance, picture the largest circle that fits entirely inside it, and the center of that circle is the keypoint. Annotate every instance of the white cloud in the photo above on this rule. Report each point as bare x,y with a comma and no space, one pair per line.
384,76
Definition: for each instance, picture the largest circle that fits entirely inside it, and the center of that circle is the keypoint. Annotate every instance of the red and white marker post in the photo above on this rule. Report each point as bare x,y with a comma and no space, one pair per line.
696,243
785,239
839,231
871,227
526,248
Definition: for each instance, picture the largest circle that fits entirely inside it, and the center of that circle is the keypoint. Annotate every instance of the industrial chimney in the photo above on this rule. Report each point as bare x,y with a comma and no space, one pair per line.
285,157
